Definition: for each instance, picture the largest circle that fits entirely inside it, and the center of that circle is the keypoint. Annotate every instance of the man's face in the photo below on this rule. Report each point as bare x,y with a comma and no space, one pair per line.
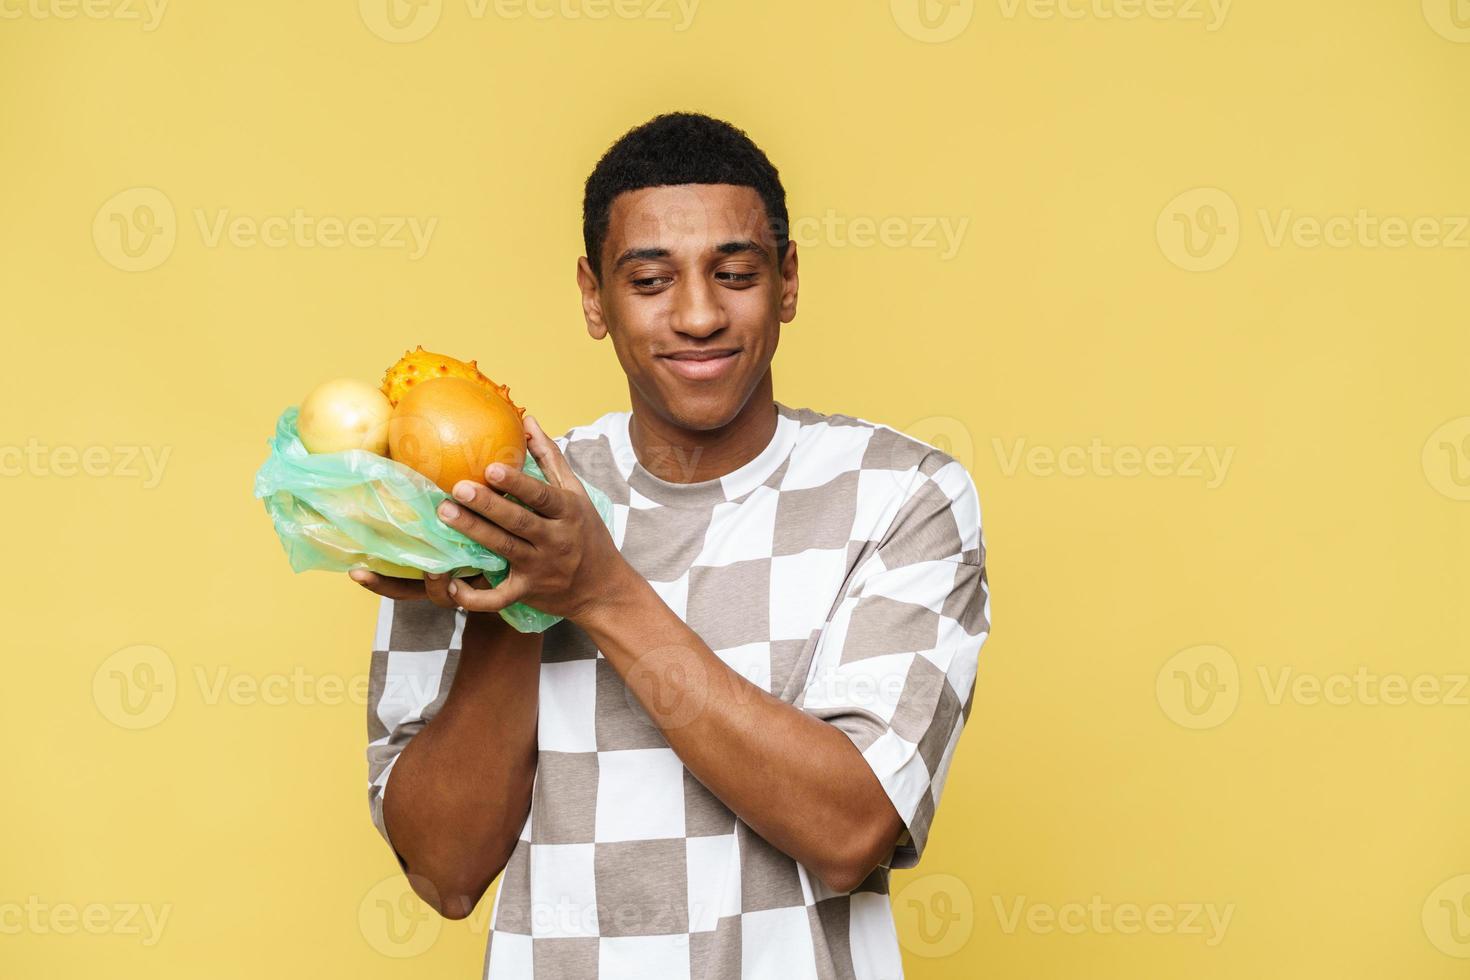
693,295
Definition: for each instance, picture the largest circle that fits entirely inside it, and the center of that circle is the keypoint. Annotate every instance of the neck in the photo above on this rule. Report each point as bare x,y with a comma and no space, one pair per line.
681,455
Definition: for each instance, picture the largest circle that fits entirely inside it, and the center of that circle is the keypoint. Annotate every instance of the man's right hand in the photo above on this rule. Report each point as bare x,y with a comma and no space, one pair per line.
433,587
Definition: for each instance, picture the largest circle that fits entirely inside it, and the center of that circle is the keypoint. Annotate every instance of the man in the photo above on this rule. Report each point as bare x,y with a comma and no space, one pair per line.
745,719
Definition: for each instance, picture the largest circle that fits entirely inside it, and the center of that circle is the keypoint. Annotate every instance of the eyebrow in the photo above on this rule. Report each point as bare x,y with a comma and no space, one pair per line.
733,247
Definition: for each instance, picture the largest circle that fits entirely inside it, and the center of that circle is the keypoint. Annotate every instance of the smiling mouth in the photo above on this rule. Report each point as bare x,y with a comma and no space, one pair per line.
700,365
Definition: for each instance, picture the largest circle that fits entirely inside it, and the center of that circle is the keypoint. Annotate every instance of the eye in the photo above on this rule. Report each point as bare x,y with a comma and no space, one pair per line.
651,282
736,276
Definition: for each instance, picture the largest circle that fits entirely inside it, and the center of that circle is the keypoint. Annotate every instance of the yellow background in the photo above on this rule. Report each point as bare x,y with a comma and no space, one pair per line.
1336,539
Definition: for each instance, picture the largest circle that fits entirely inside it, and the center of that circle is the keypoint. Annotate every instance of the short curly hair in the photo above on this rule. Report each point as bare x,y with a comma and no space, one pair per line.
679,148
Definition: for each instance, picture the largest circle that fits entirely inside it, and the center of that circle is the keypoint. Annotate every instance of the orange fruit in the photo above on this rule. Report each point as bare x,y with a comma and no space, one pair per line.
451,429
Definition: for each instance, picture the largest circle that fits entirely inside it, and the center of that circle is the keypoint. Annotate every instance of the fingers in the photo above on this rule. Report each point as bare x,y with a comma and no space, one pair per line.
485,517
549,455
539,495
386,586
492,505
494,599
436,587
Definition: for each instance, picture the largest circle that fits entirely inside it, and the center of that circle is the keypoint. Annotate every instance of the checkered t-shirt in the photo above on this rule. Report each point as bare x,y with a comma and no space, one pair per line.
842,570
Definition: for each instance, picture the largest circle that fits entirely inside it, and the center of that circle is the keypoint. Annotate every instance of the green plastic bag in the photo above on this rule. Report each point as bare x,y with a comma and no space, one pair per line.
356,509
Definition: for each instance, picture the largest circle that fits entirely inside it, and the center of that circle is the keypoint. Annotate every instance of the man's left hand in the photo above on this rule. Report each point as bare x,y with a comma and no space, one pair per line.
562,557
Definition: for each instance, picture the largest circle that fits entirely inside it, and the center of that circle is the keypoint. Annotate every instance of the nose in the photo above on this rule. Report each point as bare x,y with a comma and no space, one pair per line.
697,310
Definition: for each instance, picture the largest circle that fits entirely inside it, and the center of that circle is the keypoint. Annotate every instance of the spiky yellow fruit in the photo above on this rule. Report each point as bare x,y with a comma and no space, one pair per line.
418,365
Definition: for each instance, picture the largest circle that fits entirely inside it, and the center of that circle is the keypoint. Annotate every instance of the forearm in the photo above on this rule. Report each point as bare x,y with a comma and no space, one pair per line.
459,792
796,780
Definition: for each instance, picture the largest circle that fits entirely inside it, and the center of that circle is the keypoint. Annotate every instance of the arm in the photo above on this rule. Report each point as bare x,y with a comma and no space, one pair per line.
796,780
460,786
863,756
799,781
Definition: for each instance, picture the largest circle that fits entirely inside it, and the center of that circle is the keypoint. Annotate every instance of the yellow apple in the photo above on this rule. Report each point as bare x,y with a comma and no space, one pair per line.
342,414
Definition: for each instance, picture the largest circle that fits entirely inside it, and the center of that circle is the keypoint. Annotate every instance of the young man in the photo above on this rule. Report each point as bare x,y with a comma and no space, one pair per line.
707,769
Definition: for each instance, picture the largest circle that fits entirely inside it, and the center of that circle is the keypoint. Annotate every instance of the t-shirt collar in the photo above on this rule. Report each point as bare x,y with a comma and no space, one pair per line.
732,486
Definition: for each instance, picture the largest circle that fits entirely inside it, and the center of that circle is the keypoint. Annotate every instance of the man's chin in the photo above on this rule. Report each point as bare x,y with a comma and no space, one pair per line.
714,407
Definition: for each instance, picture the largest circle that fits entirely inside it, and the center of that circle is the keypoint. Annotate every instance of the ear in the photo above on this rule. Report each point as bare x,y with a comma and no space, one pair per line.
591,300
789,284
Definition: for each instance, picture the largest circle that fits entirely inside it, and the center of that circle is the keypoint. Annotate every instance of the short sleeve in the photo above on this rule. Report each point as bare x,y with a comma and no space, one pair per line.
415,652
894,667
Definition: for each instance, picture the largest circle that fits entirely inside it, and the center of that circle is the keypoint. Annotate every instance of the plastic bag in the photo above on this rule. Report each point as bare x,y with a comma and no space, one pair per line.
356,509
